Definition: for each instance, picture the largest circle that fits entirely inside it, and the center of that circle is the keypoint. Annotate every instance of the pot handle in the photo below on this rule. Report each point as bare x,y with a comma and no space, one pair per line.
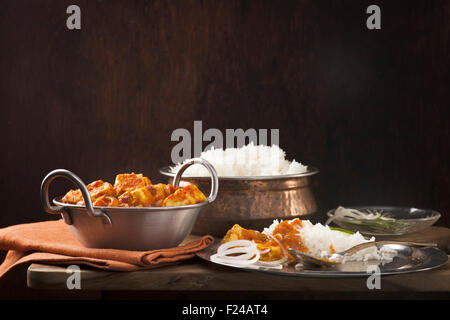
63,173
212,171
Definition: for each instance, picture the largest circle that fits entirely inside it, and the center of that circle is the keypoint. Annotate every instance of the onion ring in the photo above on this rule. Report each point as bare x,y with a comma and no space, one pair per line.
249,253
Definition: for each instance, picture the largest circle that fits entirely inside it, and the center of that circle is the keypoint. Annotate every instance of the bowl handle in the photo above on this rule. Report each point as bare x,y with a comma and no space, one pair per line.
212,171
62,173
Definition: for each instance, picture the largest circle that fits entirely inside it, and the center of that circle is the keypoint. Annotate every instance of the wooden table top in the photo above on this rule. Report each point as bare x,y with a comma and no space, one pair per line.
198,275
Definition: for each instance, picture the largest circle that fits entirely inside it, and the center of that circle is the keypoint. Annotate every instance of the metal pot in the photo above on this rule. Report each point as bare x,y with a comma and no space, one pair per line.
141,229
253,202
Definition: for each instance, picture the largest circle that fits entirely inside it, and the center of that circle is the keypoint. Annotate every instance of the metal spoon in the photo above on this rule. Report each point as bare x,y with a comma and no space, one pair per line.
338,257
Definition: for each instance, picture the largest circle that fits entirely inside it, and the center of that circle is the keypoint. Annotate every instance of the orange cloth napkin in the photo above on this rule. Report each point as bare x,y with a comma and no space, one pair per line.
51,242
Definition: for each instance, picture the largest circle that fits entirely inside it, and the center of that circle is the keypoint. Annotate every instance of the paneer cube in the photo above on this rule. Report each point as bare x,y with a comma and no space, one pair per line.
179,198
184,196
99,188
239,233
271,250
129,182
126,199
106,201
195,193
141,197
72,197
160,192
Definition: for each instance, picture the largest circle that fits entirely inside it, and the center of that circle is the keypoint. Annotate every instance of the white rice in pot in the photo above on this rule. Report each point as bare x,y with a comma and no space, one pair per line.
250,160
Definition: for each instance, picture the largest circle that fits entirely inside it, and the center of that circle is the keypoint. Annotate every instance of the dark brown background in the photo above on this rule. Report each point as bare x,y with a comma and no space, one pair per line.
369,108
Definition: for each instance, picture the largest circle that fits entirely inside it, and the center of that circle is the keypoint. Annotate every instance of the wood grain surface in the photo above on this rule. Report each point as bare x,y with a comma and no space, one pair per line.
368,108
198,278
202,276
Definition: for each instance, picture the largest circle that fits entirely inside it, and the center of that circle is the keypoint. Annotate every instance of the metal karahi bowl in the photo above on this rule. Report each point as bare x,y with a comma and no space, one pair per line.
253,202
133,228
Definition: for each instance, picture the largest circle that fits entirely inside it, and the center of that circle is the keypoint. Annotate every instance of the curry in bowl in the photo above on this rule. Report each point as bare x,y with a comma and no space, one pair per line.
135,190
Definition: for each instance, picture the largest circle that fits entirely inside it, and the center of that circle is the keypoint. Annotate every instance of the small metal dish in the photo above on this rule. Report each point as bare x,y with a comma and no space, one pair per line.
138,228
253,201
406,220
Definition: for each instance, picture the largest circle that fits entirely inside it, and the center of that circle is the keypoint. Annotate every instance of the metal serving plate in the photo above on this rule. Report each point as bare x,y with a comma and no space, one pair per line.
408,259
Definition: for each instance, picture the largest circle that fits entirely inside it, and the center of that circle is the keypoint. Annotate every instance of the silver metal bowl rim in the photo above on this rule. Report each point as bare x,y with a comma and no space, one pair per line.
310,172
434,214
127,209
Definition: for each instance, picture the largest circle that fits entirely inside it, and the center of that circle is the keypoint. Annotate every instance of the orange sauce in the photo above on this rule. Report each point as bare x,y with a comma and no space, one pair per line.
332,249
286,236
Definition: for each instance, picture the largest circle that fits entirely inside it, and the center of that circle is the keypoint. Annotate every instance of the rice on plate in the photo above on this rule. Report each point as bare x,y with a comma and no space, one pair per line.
322,241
